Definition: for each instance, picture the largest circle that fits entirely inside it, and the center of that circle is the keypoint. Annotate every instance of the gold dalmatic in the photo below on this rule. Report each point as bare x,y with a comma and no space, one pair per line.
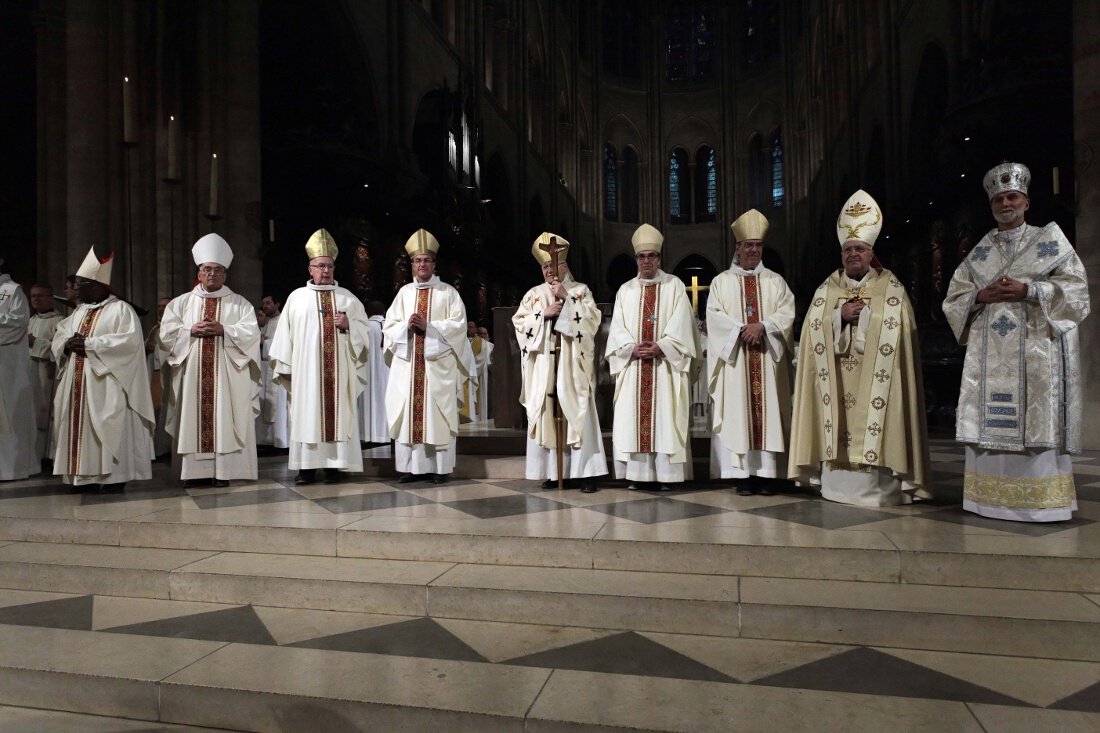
77,401
208,379
330,366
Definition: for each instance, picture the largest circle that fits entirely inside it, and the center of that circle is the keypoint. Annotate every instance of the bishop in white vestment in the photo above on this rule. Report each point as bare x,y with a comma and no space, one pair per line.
319,348
429,358
18,432
561,316
40,331
273,422
103,409
651,347
1016,302
859,429
750,320
213,345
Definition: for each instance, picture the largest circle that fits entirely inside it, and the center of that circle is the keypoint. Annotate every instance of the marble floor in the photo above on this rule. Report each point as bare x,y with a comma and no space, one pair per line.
493,604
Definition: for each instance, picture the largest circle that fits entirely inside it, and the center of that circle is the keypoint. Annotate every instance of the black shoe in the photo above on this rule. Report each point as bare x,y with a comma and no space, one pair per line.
112,488
220,483
550,483
193,483
765,490
408,478
306,476
332,475
588,486
439,478
664,487
744,491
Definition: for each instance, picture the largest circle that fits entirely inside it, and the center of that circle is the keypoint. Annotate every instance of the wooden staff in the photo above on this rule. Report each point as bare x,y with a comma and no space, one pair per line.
553,249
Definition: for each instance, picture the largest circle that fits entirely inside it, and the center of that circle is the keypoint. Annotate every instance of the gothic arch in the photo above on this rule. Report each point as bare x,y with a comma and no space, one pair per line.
620,131
690,133
762,119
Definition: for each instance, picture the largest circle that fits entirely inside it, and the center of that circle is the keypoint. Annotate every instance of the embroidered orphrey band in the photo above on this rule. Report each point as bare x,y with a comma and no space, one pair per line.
76,402
328,366
645,379
419,371
755,362
208,379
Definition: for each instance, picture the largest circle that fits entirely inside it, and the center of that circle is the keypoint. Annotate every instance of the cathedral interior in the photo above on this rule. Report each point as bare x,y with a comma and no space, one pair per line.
137,126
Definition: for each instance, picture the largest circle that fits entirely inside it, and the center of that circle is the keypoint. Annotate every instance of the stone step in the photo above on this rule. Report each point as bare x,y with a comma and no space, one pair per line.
236,686
1054,624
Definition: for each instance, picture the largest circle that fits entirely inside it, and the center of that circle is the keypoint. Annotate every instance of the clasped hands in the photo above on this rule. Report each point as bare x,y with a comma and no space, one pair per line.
417,323
849,312
753,335
75,345
646,350
207,328
1003,290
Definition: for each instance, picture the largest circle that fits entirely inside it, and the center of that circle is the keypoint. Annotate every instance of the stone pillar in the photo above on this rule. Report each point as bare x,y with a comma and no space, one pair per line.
1086,133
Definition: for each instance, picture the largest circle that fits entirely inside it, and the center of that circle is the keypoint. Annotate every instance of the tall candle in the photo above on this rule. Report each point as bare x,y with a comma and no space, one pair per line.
1057,182
214,185
271,230
127,110
173,159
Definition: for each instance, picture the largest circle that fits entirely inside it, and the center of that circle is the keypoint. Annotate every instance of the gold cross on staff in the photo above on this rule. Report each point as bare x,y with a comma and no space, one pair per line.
695,289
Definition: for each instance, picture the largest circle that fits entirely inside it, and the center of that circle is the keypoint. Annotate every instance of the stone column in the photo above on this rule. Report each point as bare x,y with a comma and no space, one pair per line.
1086,133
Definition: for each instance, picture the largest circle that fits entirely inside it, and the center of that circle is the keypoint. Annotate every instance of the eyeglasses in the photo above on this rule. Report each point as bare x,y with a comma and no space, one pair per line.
648,256
212,270
322,267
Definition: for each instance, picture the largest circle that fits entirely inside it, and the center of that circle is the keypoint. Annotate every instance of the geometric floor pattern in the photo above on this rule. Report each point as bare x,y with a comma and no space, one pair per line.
838,668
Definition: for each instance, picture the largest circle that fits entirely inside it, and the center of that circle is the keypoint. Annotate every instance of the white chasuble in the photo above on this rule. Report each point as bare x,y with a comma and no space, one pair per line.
42,327
273,422
570,376
103,408
320,367
427,373
372,403
750,386
859,427
18,431
650,437
1021,396
214,395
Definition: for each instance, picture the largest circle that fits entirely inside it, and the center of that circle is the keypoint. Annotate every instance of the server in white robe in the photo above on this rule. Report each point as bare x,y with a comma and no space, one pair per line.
651,348
40,331
18,429
750,319
319,346
483,347
273,422
213,345
373,427
160,382
1016,302
430,359
858,429
560,314
103,409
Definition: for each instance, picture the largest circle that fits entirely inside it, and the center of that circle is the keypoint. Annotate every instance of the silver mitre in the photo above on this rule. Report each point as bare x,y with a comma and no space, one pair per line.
1007,177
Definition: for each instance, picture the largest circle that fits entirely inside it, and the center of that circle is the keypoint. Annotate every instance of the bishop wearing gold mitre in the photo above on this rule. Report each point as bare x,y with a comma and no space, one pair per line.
859,428
424,336
319,345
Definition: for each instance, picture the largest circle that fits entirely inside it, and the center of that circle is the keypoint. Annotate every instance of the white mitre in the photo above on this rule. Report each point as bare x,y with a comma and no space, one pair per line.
96,269
860,219
212,248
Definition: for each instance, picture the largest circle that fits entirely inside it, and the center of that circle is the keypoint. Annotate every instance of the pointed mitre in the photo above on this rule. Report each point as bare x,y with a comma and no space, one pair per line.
541,255
94,268
212,248
750,225
861,218
1007,177
422,243
321,244
647,239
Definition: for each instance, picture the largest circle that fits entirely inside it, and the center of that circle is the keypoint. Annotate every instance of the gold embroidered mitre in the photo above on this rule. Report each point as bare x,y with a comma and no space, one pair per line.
541,255
647,239
94,268
321,244
422,243
752,225
860,219
1007,177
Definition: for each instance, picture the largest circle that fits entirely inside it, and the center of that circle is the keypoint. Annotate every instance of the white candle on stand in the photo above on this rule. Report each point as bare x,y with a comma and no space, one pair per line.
1057,182
271,230
173,160
127,110
214,185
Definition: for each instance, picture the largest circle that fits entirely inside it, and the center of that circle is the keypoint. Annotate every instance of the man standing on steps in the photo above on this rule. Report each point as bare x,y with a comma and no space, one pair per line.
560,313
213,345
18,458
430,358
650,350
319,346
103,409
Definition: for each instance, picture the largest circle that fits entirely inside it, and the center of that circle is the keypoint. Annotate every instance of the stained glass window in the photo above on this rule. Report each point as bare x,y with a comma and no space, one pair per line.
610,183
778,189
675,175
706,171
689,38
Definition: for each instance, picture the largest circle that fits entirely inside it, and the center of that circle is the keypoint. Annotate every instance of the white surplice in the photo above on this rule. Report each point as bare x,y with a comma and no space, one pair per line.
575,382
214,397
273,422
372,402
103,409
42,327
18,431
750,388
324,425
650,438
426,376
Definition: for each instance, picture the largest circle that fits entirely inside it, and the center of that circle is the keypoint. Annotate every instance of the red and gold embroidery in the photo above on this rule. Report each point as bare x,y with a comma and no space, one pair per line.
329,366
419,371
208,379
646,393
755,361
76,401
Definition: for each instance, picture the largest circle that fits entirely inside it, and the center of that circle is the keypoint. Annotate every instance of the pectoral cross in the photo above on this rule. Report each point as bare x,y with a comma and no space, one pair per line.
695,289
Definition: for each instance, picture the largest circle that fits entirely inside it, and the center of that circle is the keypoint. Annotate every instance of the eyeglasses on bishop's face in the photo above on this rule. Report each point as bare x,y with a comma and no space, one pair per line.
322,267
212,270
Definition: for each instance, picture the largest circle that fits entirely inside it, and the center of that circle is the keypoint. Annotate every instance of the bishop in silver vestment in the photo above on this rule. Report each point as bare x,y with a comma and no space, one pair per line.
1016,302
